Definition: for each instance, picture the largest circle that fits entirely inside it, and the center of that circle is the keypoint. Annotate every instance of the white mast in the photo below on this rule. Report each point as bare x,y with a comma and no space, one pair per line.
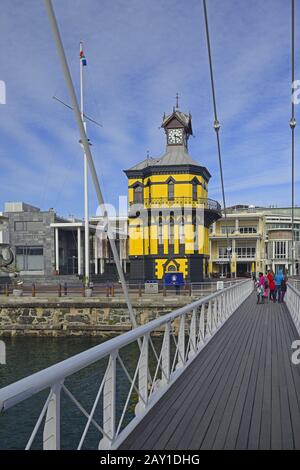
86,195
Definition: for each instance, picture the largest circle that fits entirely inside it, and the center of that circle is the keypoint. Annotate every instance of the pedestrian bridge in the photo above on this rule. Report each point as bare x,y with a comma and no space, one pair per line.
216,374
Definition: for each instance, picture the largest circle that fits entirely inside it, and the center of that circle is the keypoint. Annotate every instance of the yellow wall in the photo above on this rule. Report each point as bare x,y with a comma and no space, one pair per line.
183,188
159,266
160,190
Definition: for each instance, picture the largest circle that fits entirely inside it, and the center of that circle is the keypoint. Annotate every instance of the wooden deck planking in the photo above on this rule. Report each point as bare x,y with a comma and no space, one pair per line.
241,392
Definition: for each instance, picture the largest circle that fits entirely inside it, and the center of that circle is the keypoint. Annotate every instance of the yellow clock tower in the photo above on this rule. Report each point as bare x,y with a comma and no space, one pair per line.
169,209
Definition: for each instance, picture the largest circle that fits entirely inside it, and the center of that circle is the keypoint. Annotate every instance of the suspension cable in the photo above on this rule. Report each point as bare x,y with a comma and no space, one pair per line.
293,124
217,127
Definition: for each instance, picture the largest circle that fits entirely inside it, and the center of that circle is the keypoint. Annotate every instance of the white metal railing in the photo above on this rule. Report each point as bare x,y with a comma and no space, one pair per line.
205,288
184,334
293,301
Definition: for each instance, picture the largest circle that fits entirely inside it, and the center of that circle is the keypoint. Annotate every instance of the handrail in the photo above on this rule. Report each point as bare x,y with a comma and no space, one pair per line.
293,304
200,319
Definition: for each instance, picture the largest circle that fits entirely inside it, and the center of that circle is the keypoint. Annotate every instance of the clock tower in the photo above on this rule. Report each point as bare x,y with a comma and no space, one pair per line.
169,209
178,128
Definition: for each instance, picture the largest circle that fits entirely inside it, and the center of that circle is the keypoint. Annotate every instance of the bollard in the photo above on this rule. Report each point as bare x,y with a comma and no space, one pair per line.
113,290
83,290
164,291
33,290
190,289
107,290
65,288
6,290
140,290
59,290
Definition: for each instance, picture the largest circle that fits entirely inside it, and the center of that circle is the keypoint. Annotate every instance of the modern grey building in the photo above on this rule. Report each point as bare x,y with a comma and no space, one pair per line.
45,244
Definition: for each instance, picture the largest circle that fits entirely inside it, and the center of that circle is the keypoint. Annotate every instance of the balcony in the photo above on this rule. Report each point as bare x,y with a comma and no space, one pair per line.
212,209
162,202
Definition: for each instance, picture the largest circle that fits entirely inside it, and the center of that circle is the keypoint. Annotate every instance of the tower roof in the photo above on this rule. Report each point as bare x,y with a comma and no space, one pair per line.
184,119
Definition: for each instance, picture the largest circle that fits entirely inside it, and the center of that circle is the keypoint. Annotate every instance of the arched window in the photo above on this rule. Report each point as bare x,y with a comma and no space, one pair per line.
149,191
138,195
171,191
195,190
171,229
160,229
181,230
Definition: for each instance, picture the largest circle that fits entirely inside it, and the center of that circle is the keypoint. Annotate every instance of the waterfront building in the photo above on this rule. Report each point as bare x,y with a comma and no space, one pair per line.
259,238
45,244
169,210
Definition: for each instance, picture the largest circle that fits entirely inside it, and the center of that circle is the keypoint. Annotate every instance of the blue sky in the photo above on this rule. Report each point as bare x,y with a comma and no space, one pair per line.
140,54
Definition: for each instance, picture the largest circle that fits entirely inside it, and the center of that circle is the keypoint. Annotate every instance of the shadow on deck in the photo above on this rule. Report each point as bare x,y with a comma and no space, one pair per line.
241,392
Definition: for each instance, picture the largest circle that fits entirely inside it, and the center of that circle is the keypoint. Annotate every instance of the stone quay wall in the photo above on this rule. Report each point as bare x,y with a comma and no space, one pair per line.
25,317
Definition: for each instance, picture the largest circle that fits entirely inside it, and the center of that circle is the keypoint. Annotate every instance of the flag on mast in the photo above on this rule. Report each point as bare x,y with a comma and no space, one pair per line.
83,59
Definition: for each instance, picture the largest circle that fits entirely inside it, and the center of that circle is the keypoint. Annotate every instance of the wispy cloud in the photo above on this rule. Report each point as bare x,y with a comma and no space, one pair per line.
140,54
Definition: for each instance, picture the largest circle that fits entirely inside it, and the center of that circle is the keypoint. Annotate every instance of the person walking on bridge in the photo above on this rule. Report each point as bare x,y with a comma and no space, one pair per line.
271,281
278,281
261,289
283,288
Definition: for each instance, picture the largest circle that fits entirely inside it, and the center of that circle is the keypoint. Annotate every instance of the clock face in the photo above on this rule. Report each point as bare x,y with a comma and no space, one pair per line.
175,136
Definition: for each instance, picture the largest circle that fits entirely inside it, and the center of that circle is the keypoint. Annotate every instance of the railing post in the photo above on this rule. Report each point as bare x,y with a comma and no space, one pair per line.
208,319
51,434
59,290
33,290
202,324
215,314
143,377
109,403
65,288
181,343
193,334
165,359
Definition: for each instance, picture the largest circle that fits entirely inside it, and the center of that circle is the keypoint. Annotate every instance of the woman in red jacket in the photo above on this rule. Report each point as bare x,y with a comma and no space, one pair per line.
270,277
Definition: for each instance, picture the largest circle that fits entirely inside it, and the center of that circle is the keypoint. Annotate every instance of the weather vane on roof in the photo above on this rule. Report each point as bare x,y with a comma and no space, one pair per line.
177,101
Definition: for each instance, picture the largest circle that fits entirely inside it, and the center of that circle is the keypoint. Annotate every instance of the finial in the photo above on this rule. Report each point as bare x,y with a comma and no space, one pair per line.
177,101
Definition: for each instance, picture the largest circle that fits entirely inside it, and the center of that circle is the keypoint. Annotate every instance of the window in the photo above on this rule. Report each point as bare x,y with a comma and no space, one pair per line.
280,250
171,234
171,191
30,258
223,252
160,230
195,191
245,252
181,230
248,230
138,195
230,230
